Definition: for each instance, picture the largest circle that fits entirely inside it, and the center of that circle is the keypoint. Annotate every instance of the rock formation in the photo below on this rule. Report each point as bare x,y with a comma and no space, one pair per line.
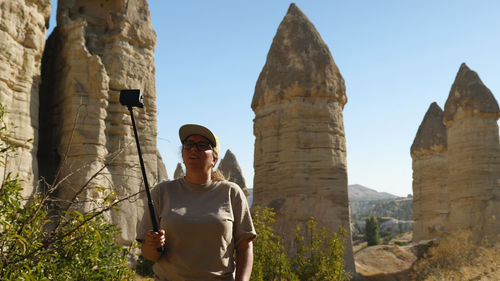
300,152
231,170
430,176
179,172
97,49
23,25
470,115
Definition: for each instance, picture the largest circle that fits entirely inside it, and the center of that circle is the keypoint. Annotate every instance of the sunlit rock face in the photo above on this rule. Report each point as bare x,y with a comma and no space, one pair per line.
470,115
97,49
179,171
230,168
300,152
23,25
430,176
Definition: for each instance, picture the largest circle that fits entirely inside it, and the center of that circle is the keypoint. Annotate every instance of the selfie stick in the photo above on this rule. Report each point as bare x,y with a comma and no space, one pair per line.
131,98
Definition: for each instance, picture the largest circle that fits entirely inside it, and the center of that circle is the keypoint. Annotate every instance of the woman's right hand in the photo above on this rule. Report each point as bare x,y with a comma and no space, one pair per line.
155,239
152,242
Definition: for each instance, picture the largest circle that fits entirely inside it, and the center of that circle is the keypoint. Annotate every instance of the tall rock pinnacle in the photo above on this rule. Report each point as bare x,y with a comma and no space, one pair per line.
23,25
471,115
230,168
179,171
97,49
300,153
430,176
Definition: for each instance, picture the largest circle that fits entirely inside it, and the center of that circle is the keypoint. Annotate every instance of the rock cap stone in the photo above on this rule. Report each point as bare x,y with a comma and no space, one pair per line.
469,97
431,135
299,64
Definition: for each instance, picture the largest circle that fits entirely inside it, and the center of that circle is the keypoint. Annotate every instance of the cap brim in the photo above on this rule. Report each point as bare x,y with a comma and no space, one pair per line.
192,129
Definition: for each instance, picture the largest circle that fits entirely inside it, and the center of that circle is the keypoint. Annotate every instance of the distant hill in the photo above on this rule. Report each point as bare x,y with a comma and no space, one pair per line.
358,192
365,201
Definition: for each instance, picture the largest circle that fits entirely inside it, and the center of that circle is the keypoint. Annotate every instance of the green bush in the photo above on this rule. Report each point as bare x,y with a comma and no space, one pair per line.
318,257
68,246
144,267
372,231
320,254
270,260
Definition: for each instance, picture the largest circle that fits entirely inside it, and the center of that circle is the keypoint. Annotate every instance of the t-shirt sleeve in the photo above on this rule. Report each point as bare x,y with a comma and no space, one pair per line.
243,225
145,223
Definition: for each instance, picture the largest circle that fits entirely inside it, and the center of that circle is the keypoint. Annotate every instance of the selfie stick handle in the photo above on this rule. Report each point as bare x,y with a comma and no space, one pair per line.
148,194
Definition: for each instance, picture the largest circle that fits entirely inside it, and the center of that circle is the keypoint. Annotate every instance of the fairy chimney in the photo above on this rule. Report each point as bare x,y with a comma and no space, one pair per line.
23,25
470,115
430,176
97,49
300,151
179,171
230,168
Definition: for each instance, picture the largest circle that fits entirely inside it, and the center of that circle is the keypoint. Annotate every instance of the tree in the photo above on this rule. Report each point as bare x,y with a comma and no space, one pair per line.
37,243
372,231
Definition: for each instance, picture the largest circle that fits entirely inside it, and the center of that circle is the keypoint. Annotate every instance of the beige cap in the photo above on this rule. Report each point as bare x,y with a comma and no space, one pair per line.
193,129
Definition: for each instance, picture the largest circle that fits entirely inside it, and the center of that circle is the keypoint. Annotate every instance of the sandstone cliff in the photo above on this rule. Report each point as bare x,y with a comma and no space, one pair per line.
23,25
231,170
300,153
97,49
470,115
430,176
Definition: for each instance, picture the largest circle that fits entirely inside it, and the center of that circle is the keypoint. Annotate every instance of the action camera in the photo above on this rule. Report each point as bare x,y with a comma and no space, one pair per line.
131,98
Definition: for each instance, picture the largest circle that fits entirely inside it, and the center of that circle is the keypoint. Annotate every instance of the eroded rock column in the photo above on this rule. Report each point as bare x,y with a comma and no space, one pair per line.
230,168
470,115
300,153
179,171
23,25
430,176
97,49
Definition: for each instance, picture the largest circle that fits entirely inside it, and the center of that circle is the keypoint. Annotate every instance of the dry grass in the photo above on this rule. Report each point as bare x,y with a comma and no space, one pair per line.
458,257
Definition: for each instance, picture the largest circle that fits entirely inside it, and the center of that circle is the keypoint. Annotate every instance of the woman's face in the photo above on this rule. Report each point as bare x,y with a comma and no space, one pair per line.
196,159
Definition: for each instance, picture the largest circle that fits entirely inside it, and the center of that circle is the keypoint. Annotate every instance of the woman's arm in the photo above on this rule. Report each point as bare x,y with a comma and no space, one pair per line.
244,260
151,243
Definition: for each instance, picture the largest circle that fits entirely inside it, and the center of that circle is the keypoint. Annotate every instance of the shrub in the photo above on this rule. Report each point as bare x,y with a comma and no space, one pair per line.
318,257
270,260
458,257
320,254
68,246
144,267
372,231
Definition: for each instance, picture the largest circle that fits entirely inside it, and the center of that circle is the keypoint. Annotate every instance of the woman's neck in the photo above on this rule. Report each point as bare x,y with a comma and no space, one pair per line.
198,178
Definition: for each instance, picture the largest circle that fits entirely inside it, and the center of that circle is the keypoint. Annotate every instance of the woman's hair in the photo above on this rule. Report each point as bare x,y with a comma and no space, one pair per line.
216,174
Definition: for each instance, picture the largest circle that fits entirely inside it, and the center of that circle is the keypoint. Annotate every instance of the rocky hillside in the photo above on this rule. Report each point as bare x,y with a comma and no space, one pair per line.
365,201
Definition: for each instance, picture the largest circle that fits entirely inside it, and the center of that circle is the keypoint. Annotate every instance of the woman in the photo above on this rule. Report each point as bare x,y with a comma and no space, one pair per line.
203,219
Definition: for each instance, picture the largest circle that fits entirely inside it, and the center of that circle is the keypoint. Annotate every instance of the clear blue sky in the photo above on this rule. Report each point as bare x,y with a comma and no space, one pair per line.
396,57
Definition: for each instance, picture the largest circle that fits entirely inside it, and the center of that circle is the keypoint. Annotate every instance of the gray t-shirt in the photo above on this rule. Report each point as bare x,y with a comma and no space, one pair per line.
203,224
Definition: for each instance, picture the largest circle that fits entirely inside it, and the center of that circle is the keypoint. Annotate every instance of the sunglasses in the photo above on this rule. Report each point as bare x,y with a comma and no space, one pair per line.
201,146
